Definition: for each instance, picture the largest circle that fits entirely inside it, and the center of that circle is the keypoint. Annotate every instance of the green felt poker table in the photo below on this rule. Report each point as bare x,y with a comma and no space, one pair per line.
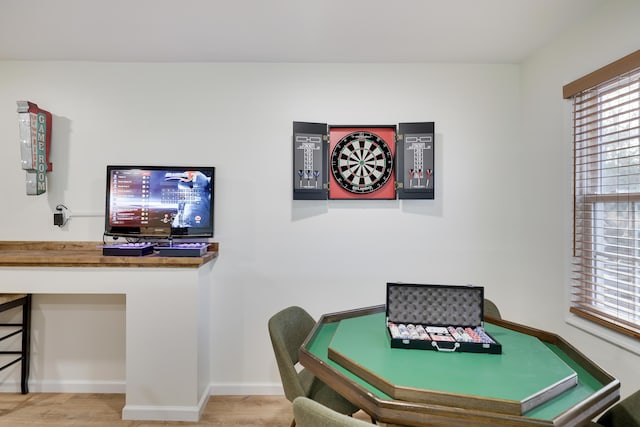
538,379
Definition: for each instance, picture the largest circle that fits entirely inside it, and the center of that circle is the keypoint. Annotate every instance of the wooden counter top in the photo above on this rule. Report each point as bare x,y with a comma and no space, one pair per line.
87,254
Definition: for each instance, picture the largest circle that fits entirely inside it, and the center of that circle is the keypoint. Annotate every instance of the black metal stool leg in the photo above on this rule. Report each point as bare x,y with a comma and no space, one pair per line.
8,302
26,345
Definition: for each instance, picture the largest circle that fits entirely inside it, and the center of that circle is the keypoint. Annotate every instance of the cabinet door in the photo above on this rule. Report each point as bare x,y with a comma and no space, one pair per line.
310,151
415,169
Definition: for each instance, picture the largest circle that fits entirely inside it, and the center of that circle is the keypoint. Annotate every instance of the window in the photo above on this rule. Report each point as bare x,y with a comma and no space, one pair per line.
606,127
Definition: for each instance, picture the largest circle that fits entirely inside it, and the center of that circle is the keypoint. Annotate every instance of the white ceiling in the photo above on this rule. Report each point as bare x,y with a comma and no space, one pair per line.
478,31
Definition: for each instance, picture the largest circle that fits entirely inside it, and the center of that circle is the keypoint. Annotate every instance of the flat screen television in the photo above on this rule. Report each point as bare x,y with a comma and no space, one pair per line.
160,201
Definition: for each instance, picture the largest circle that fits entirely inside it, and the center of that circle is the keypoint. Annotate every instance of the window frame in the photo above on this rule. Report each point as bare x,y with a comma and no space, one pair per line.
585,308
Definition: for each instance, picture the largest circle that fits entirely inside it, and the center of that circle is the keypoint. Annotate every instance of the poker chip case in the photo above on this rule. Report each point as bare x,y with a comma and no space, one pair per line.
438,317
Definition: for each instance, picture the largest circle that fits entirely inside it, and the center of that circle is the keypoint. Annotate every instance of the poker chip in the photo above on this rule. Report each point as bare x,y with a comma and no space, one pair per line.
412,331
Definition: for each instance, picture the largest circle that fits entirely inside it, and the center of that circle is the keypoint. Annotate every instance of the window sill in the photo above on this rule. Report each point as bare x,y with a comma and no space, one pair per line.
619,340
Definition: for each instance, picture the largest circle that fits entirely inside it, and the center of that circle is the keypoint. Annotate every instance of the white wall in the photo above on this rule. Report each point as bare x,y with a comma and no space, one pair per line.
499,218
325,256
546,196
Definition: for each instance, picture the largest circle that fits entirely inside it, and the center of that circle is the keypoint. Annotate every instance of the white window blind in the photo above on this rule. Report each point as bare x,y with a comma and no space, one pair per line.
606,273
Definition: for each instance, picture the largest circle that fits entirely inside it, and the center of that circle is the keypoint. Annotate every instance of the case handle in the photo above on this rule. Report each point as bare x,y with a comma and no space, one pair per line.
455,346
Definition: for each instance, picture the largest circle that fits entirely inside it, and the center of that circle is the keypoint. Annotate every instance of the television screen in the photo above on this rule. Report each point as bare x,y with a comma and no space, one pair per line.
159,201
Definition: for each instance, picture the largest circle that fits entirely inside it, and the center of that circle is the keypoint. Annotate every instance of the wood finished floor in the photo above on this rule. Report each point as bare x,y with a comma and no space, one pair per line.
97,410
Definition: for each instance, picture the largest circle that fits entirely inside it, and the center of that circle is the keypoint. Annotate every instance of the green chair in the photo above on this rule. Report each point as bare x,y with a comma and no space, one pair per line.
309,413
490,309
625,413
288,330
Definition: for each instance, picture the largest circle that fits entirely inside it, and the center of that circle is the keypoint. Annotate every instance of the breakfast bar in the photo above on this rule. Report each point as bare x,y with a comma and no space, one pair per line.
167,315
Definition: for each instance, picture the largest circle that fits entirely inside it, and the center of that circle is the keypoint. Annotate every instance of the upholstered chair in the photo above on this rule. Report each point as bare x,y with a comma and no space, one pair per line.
288,329
309,413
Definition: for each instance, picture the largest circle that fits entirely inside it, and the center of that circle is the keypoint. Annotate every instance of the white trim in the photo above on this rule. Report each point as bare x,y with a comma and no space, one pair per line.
110,387
246,389
35,386
161,413
166,413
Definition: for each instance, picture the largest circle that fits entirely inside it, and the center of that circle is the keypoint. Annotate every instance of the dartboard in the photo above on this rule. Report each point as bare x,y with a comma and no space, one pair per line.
361,162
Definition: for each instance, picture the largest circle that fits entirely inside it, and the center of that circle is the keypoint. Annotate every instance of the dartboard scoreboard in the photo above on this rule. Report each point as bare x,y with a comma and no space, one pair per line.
363,162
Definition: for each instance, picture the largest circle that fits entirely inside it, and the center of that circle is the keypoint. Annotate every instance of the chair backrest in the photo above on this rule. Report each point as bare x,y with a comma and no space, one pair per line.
490,309
288,329
625,413
309,413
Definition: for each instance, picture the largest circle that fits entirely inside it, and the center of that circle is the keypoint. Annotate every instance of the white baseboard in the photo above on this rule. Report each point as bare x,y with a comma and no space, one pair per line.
166,413
35,386
246,389
215,389
161,413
